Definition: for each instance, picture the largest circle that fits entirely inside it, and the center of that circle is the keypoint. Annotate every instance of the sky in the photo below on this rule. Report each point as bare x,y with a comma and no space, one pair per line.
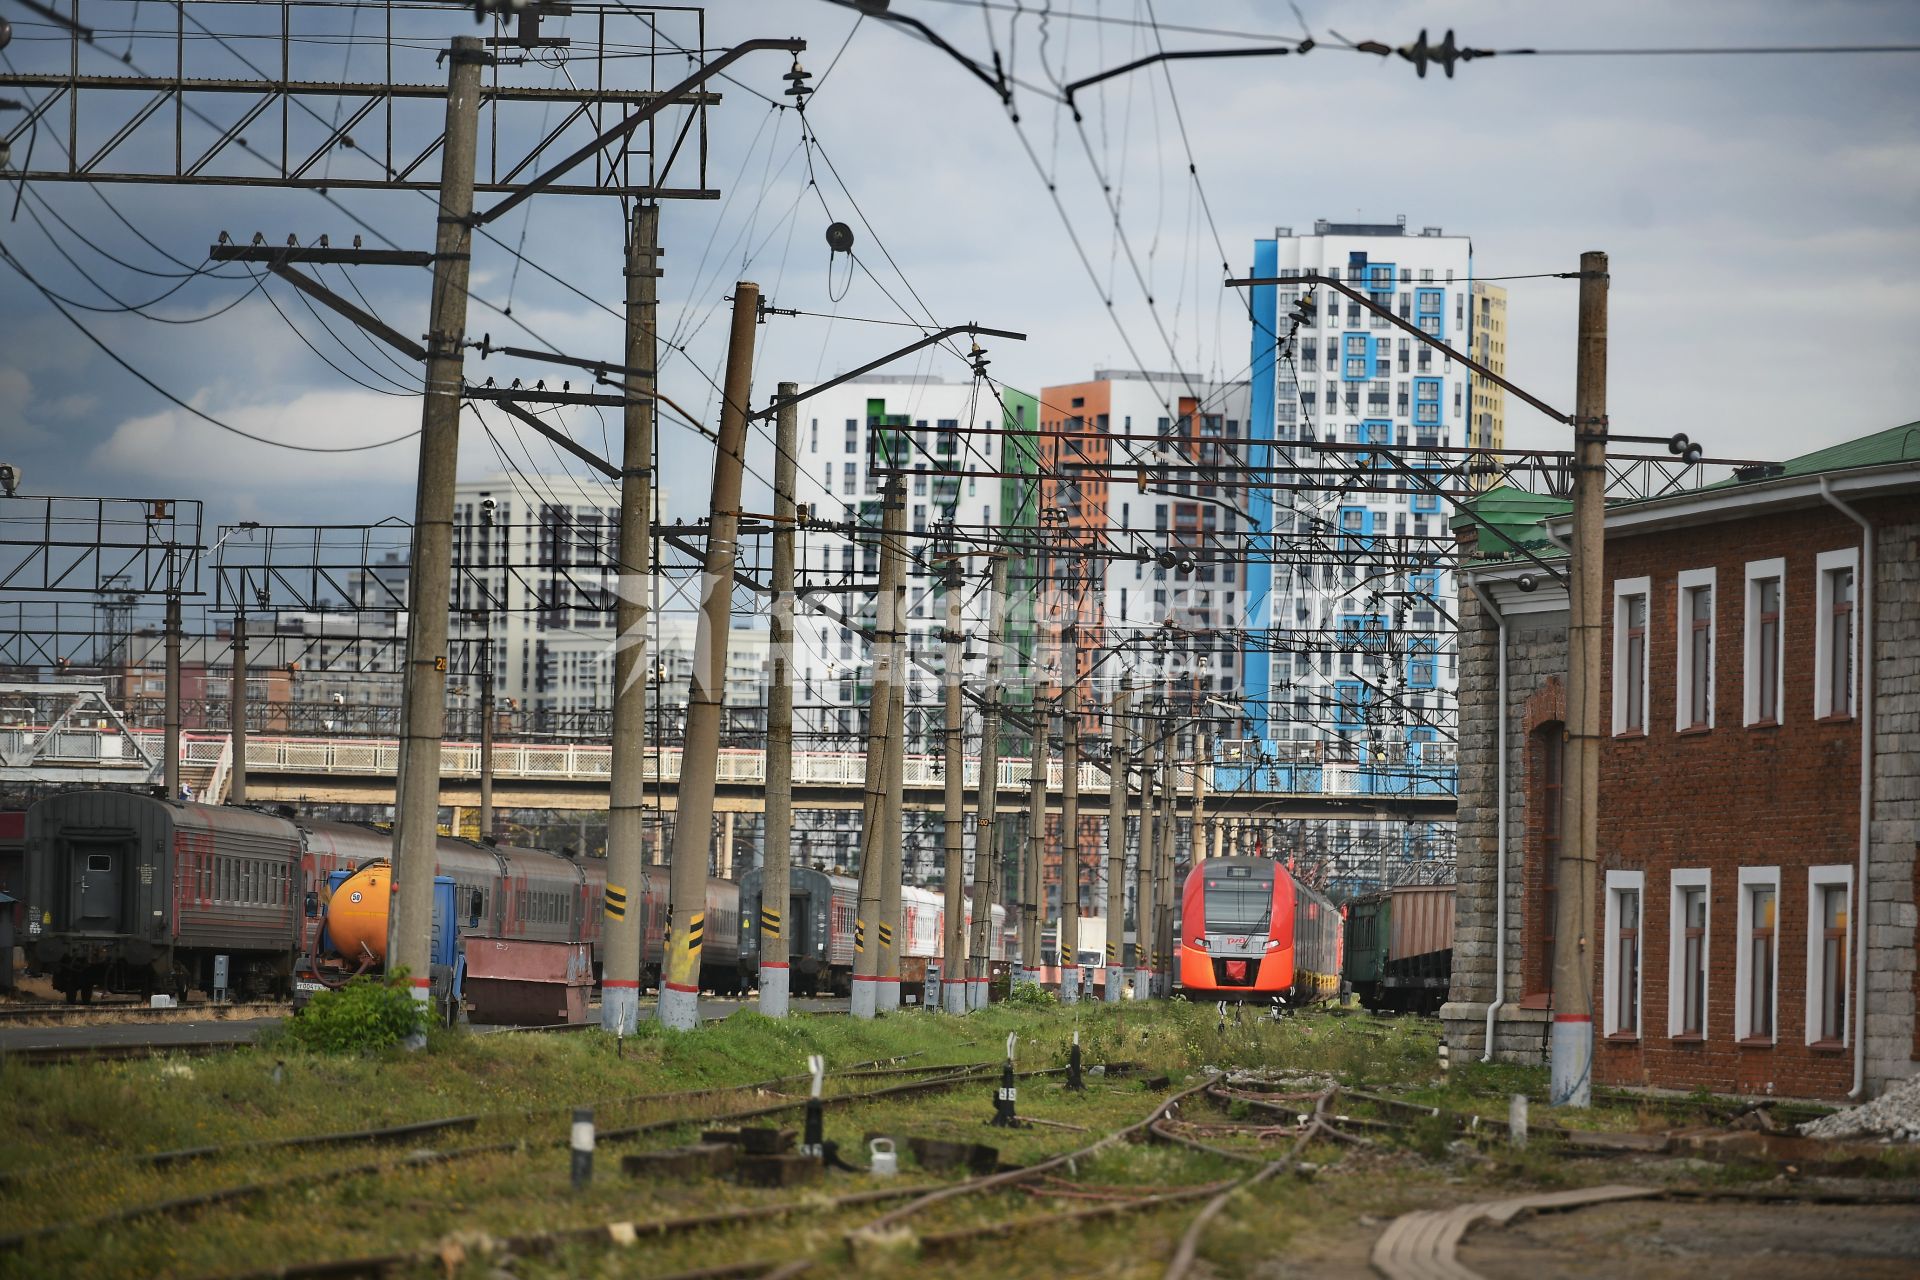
1760,213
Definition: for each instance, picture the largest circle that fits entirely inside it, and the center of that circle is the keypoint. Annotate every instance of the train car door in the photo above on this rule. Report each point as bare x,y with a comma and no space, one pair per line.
98,869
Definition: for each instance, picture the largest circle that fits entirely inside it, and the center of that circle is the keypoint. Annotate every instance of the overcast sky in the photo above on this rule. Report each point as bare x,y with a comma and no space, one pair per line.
1760,213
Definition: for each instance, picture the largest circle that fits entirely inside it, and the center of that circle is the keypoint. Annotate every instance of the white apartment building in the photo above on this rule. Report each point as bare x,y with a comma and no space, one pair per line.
944,427
1378,675
1173,546
534,557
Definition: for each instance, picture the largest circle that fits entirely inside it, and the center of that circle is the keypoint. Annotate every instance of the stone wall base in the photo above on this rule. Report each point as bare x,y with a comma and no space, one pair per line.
1519,1035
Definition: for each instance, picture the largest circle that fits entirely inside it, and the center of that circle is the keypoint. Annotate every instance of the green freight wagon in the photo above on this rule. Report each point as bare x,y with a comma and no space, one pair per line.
1399,952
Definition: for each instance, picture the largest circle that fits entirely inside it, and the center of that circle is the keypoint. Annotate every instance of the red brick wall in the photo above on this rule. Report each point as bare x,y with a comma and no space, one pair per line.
1723,799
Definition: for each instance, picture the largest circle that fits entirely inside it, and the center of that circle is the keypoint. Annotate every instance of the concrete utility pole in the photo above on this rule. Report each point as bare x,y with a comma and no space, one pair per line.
693,825
777,862
894,808
1032,874
986,864
1199,842
430,572
237,714
1571,1067
1070,815
953,968
486,725
870,920
626,788
1117,838
170,721
1165,951
1143,866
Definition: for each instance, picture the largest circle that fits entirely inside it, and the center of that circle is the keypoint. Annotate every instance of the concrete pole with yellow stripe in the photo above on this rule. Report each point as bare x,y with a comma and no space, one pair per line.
776,862
986,866
953,947
1143,862
868,916
894,800
693,824
1117,837
1069,938
626,787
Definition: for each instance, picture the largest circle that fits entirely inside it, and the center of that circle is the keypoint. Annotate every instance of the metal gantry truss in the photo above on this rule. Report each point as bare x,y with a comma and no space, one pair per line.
249,93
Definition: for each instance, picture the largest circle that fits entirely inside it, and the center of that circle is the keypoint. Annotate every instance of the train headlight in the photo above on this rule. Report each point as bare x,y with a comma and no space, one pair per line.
1200,943
1272,943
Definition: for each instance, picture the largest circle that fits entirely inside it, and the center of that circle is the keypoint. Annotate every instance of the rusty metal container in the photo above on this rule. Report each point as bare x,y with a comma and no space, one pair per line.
1422,920
517,982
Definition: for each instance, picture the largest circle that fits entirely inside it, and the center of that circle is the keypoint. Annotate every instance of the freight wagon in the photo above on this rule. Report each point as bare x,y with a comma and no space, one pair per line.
1400,947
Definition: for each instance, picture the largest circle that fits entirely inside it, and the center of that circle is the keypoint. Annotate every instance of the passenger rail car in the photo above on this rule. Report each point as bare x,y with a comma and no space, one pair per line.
134,893
1248,929
820,918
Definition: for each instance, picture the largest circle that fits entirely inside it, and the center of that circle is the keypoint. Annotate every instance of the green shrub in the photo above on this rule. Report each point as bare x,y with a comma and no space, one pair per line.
1031,993
368,1013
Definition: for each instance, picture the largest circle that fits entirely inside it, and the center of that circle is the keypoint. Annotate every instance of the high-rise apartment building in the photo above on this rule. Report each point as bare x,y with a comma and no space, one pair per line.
849,434
536,556
1139,468
1487,429
1363,663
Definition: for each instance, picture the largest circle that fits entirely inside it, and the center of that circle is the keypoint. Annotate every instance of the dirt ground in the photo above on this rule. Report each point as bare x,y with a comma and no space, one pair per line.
1677,1240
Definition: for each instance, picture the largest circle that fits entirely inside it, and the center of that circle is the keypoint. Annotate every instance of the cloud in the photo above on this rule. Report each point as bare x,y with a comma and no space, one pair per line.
175,447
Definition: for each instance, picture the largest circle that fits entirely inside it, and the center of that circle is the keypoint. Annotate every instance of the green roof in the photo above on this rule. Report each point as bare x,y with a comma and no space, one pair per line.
1895,444
1511,521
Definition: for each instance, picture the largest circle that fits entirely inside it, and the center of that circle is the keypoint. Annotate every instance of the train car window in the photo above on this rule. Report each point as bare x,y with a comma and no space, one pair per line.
473,908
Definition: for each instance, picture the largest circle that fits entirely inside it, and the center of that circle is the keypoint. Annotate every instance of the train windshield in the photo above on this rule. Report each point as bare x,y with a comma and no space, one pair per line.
1239,901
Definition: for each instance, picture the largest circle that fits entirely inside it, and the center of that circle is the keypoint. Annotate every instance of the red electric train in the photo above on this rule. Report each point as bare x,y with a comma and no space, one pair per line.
1249,930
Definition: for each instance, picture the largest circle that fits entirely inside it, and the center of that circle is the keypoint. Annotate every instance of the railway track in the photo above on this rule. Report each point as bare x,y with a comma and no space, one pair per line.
59,1013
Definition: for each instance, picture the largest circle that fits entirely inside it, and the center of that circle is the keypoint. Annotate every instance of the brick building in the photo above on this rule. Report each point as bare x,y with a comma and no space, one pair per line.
1760,632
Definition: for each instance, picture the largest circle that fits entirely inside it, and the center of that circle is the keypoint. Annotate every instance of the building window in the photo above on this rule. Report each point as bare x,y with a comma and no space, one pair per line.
1693,683
1756,973
1624,891
1687,956
1766,603
1834,634
1630,655
1829,890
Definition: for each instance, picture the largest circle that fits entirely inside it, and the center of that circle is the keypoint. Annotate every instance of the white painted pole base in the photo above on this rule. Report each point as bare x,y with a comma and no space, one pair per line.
1571,1067
1143,984
619,1009
1116,979
887,997
865,996
1070,985
954,996
979,993
1021,977
679,1010
773,990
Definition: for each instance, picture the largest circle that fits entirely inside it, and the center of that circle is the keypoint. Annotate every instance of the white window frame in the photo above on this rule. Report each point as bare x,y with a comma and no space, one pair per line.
1623,590
1680,882
1826,563
1691,580
1618,882
1819,878
1759,571
1751,878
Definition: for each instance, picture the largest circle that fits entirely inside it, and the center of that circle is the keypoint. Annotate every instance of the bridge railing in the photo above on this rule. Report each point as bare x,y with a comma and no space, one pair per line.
593,762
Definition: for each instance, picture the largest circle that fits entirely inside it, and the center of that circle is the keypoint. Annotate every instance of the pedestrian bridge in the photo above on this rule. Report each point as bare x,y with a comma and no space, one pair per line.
561,775
575,776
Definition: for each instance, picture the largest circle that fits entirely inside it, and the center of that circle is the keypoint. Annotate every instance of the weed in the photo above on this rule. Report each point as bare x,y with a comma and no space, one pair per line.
368,1013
